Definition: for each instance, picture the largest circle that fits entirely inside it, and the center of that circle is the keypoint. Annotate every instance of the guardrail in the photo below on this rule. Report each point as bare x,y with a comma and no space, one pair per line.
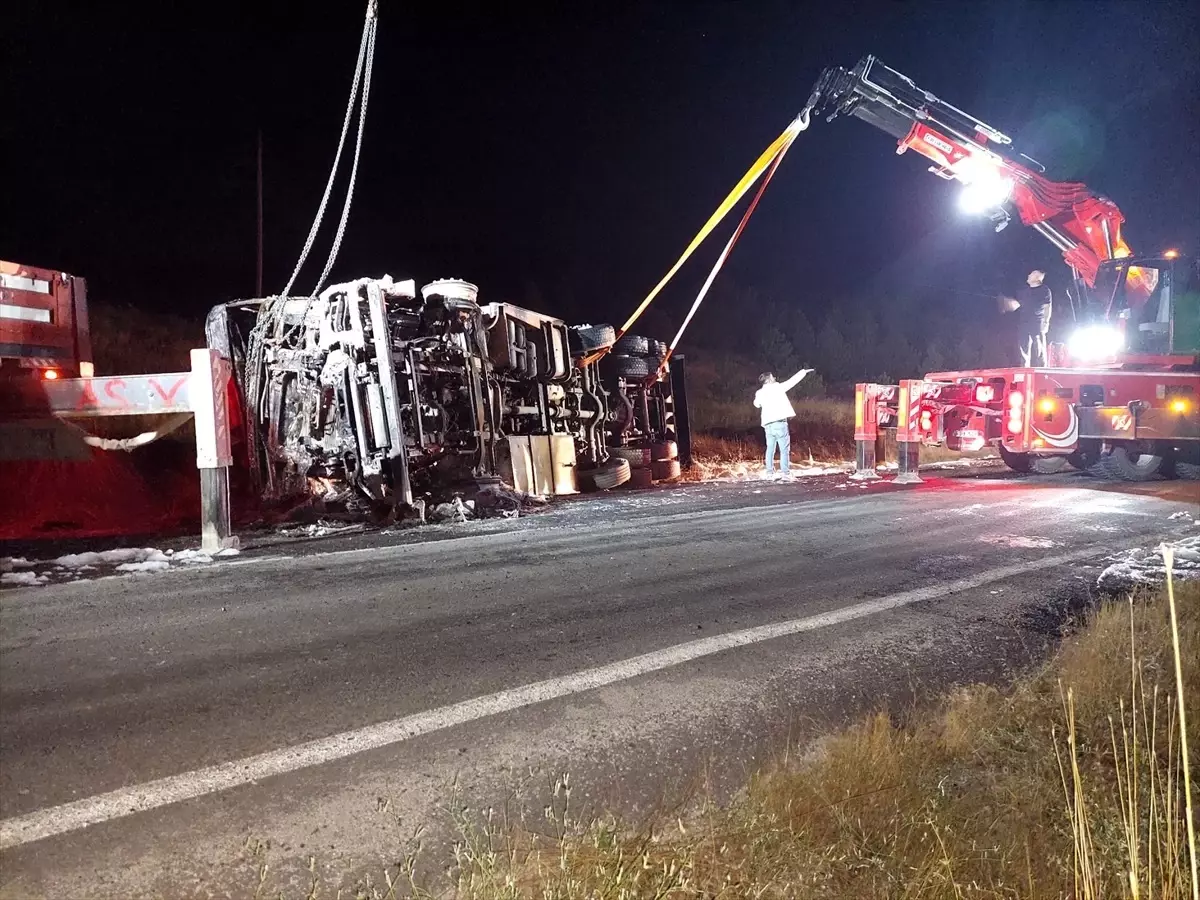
202,393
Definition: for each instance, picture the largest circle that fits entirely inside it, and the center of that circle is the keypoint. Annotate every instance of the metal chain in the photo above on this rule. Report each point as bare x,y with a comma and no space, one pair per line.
362,121
368,30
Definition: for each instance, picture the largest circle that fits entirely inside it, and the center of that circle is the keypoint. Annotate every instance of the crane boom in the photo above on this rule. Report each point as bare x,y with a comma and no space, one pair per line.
1084,226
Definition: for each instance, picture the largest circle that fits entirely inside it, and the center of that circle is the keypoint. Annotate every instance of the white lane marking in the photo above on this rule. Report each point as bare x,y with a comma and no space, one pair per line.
126,801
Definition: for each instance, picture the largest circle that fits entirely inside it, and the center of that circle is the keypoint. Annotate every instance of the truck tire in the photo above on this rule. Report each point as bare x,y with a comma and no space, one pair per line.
633,366
664,450
640,478
595,336
613,473
1048,465
637,457
1018,462
666,470
1086,456
1127,463
632,345
1027,463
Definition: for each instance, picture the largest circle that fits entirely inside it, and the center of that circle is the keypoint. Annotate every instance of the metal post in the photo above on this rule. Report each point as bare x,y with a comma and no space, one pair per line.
209,392
866,429
908,454
908,432
216,528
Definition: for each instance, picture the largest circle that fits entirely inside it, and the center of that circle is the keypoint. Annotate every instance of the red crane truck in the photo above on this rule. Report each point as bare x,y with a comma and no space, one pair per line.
1122,397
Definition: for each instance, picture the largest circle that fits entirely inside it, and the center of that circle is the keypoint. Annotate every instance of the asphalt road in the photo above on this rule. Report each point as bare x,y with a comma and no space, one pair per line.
313,694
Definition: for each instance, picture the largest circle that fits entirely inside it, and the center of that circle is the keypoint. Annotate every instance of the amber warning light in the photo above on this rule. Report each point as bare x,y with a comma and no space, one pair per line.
50,374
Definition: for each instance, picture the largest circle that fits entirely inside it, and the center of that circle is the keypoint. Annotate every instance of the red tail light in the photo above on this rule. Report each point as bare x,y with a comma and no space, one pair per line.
926,420
50,374
1016,399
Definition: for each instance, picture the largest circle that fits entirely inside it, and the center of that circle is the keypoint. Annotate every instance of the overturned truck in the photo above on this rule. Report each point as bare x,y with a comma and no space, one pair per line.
375,395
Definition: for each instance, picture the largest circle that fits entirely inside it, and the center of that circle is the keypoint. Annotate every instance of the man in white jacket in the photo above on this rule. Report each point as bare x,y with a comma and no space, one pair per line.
776,409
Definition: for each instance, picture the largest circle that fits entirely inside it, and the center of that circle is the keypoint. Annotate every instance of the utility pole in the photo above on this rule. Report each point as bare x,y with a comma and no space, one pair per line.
258,281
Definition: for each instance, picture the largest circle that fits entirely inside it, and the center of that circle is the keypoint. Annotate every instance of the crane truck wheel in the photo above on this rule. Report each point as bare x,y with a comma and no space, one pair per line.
1129,462
1027,462
1018,462
1086,456
1048,465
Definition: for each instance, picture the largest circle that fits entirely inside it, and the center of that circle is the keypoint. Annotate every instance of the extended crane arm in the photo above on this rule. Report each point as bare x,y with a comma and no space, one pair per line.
1085,227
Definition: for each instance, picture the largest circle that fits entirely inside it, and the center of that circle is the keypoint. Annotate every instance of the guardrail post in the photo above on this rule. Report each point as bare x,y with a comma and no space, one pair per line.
908,432
866,430
209,391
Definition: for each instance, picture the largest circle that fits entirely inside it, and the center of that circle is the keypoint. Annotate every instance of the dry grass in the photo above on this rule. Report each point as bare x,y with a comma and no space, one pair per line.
1071,784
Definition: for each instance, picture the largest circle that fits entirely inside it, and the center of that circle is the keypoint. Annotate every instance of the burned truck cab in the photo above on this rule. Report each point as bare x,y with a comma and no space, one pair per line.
374,394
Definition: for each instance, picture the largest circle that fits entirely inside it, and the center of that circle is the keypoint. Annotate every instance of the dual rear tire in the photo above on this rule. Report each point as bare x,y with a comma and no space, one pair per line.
1130,462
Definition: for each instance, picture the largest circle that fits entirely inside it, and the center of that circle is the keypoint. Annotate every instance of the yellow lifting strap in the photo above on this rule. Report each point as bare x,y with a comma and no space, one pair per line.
768,156
712,275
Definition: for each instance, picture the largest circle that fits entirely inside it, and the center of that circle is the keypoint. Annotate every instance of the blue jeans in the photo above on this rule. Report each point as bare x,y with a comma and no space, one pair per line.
778,436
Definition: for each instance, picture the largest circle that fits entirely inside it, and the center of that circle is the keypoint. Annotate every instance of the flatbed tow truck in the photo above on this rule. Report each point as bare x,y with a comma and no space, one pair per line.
1121,398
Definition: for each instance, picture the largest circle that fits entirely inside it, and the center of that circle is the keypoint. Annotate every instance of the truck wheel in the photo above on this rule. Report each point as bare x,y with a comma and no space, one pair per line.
613,473
1048,465
1129,463
1018,462
640,478
664,450
666,470
1085,457
633,366
632,345
637,457
594,336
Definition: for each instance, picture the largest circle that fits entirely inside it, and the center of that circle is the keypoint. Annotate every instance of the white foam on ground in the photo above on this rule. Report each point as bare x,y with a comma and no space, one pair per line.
1022,542
21,572
1146,566
23,579
153,565
110,557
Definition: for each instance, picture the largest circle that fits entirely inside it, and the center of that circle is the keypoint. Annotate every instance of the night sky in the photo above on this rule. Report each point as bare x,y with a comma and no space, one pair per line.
570,155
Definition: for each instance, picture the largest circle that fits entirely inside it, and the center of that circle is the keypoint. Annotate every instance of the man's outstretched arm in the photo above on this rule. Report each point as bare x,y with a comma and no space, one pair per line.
795,379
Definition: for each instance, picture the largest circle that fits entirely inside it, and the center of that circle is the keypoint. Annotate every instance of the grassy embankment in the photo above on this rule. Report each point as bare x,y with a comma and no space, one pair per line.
1068,783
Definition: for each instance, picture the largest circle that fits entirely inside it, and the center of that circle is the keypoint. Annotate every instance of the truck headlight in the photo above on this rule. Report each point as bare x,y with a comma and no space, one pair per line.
1095,342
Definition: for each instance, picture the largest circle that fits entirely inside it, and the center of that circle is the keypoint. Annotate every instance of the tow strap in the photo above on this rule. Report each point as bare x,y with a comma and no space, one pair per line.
768,160
733,239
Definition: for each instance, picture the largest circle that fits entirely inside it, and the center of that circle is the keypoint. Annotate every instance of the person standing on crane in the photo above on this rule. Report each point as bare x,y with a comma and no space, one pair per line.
1034,307
771,398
